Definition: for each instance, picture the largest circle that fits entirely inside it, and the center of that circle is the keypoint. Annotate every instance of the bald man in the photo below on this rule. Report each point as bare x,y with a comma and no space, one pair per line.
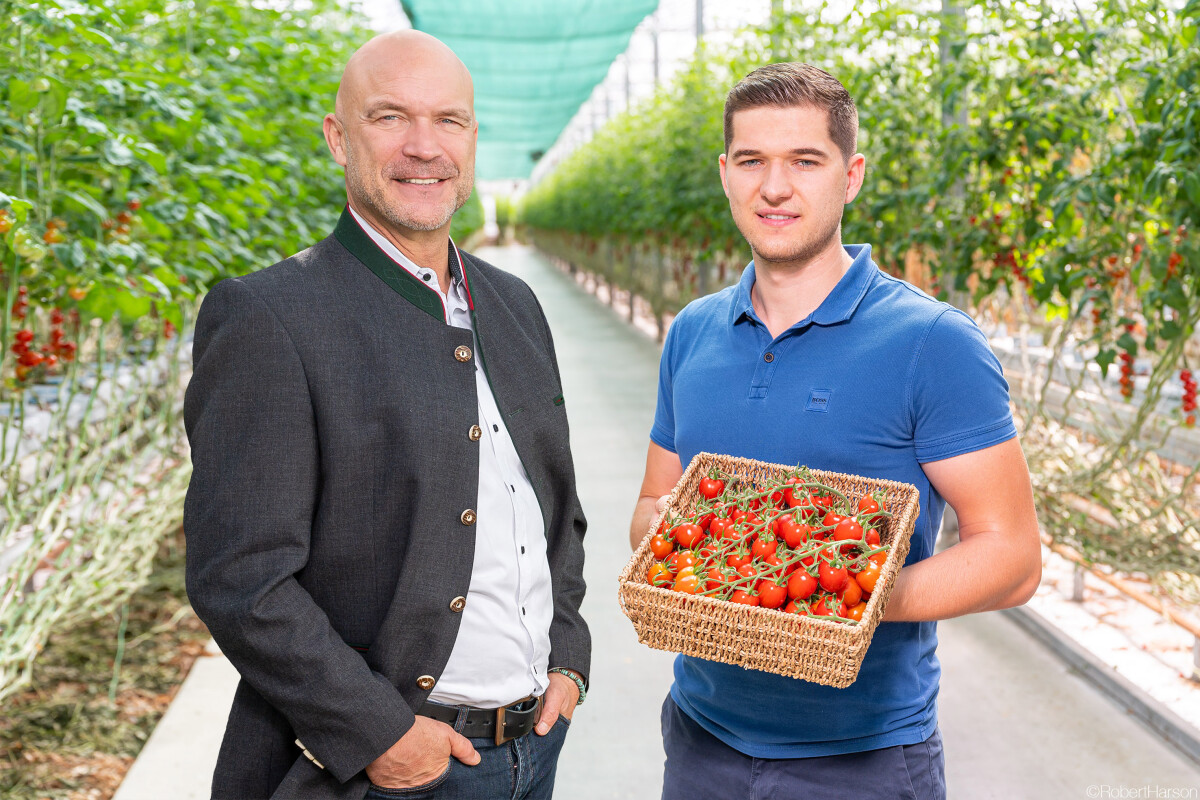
383,530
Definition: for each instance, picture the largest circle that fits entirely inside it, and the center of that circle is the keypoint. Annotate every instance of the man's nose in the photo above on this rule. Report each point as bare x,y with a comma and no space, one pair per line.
775,186
421,142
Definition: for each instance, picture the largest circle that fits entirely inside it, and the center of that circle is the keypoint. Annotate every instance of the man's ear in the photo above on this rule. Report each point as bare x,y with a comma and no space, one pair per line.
724,184
856,170
335,138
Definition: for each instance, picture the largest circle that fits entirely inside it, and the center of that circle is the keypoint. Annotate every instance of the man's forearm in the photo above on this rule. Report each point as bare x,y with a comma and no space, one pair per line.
983,573
643,514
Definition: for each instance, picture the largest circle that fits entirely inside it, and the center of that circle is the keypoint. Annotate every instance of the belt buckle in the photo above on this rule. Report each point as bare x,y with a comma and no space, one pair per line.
501,738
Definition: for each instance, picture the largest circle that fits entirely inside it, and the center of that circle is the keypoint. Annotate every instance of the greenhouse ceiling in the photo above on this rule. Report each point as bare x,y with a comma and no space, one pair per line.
534,63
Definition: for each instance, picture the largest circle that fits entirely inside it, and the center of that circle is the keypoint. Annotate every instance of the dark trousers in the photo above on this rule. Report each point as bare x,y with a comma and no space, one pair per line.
522,769
699,765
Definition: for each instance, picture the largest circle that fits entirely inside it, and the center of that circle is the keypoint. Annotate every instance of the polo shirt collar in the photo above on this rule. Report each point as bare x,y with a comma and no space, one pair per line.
839,306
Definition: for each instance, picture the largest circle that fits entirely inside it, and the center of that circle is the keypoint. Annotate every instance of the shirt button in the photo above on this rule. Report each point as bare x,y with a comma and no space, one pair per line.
458,604
425,682
467,517
769,357
496,428
475,433
462,353
426,277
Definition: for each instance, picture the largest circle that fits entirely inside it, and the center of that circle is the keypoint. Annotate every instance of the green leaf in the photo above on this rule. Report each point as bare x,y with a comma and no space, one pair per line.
131,307
1105,359
117,153
86,202
1192,184
21,97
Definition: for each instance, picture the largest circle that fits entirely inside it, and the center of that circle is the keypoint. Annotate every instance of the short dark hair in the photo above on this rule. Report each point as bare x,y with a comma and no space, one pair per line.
790,84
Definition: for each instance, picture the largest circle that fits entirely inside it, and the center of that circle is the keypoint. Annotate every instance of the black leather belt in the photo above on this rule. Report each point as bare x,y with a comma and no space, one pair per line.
500,724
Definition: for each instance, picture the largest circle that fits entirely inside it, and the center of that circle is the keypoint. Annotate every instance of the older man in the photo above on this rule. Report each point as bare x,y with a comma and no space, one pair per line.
383,530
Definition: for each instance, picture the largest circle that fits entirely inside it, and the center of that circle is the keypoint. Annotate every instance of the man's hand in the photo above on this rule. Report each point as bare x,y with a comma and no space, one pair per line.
562,695
421,755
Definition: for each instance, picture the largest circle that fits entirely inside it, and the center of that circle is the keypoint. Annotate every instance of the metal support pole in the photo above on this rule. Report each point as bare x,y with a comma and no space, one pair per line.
628,93
1078,583
654,40
699,21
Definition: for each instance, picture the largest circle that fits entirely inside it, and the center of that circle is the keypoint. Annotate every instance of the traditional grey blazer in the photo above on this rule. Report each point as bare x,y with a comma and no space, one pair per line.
326,520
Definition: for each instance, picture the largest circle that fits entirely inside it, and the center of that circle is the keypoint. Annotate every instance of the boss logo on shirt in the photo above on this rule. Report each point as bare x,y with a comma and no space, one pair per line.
819,401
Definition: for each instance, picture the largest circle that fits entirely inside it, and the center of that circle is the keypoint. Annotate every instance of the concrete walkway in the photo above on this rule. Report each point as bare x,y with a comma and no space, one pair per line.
1016,722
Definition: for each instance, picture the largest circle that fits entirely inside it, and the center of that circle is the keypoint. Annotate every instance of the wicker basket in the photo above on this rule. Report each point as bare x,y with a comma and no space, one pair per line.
818,650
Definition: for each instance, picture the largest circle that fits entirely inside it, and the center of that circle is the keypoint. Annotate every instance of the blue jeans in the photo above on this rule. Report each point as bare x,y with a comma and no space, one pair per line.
701,765
522,769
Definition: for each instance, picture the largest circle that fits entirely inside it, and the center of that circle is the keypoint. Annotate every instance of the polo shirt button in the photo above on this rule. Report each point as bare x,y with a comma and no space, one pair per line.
458,604
462,353
425,682
769,357
467,517
475,433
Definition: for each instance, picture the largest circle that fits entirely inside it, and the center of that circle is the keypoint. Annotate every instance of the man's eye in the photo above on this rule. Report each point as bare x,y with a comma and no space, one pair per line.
750,162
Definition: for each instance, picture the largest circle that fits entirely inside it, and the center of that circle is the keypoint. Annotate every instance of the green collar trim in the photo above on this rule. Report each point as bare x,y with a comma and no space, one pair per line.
400,280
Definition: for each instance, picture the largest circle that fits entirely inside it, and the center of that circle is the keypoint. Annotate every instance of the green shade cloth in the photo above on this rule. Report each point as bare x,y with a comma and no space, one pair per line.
534,63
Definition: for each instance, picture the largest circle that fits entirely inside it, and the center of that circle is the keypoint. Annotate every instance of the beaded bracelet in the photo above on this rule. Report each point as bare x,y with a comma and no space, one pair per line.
575,676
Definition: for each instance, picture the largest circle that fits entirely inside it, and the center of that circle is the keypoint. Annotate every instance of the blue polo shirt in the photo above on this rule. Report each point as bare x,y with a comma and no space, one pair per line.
878,380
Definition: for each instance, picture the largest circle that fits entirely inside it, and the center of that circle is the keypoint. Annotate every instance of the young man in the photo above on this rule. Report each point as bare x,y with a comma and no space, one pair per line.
382,525
816,357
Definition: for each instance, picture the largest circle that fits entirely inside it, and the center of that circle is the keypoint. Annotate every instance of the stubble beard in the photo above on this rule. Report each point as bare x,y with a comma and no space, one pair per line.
404,215
798,253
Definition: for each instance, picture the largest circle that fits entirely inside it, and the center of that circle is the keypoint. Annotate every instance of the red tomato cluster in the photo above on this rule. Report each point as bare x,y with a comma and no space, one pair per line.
1126,373
50,354
795,544
21,305
1189,397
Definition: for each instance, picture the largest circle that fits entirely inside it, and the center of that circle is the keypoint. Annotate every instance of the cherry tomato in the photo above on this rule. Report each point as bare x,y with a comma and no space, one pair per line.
658,575
718,527
847,529
711,487
745,598
819,609
856,612
867,578
801,585
747,571
660,546
763,547
686,582
687,534
738,558
832,578
851,593
771,594
871,507
793,532
682,559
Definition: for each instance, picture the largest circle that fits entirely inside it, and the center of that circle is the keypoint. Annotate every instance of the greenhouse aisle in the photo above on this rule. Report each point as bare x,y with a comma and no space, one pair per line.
1016,722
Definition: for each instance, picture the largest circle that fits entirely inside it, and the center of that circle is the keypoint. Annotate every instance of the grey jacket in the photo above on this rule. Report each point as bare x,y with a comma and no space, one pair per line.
328,415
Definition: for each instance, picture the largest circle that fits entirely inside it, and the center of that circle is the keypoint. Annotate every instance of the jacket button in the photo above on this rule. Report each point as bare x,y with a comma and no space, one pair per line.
475,433
467,517
458,604
425,682
462,353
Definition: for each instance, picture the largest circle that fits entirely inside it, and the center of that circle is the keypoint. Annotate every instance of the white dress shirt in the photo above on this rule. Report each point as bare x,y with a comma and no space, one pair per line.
503,645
